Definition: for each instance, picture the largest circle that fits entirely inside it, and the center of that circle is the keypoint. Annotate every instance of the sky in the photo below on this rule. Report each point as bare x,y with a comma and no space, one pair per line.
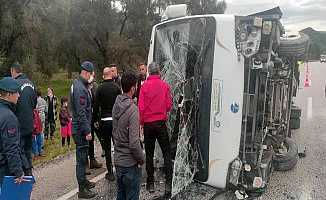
297,14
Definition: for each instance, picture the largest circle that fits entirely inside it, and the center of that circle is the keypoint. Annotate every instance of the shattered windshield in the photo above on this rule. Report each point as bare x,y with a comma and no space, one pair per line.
185,51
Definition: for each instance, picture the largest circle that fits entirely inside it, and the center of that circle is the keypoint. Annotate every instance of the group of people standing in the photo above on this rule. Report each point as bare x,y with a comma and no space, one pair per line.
46,111
121,111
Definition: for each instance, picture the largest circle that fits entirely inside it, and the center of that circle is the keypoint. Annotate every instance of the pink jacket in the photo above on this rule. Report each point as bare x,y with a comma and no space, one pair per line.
155,100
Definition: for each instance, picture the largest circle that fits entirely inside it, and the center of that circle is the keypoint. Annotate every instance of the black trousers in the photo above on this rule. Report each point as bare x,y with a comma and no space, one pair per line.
26,143
157,131
49,128
106,136
91,148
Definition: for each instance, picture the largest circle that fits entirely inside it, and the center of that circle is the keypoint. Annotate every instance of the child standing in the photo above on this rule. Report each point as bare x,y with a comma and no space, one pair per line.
38,135
65,122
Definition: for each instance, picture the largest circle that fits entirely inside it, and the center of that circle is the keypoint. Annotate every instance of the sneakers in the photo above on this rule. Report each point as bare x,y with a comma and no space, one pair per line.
93,164
86,194
110,176
89,185
150,187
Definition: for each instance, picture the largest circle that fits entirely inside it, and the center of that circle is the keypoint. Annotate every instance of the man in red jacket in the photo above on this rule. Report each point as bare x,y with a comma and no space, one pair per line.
155,102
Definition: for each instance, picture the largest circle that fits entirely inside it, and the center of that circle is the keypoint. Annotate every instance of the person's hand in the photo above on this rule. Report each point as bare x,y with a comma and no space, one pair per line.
140,163
89,137
96,125
141,133
20,180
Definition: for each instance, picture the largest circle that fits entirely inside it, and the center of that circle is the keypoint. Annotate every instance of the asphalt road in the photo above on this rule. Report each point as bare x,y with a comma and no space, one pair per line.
306,182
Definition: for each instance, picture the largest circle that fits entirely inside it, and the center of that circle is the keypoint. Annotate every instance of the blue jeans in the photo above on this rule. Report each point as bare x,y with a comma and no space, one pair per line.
128,179
38,144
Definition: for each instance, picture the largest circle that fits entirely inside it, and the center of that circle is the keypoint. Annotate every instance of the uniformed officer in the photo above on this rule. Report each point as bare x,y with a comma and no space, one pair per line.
10,153
24,112
81,122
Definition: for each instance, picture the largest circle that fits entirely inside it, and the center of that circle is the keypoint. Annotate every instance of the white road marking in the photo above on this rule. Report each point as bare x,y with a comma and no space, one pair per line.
74,191
309,108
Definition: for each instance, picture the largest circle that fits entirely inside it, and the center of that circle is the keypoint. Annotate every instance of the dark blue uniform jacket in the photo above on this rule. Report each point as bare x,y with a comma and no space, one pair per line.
81,107
10,153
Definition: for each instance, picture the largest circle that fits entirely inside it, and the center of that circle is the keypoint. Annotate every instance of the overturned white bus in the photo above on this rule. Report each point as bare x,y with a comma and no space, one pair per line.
232,79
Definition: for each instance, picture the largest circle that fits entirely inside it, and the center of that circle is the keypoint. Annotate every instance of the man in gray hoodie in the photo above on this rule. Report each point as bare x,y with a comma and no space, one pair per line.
128,154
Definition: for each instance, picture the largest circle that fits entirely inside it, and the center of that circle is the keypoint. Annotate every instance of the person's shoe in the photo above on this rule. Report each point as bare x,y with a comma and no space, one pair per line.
93,164
89,185
110,177
88,171
150,187
86,194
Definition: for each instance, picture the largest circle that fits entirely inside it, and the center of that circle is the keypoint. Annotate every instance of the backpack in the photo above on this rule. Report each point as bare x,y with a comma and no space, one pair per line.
37,123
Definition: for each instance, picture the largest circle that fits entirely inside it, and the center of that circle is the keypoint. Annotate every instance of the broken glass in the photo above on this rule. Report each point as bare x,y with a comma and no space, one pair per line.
181,49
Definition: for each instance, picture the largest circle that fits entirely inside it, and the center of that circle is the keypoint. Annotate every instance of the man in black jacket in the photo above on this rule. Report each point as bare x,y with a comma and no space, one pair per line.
24,112
105,97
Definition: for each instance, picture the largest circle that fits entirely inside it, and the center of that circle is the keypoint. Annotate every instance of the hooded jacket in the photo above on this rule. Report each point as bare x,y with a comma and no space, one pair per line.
127,148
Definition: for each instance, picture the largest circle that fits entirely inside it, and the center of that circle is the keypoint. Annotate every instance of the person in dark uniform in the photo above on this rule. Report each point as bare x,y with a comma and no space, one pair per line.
10,153
24,112
81,107
105,97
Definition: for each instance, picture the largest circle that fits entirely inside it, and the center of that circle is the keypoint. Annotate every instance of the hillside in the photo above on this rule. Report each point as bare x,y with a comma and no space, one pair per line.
318,42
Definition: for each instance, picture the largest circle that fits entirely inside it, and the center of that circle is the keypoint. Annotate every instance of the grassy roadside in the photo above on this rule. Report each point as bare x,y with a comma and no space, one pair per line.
52,148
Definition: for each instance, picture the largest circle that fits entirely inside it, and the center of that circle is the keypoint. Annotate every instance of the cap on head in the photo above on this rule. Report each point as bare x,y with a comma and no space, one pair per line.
9,84
153,68
16,65
87,66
